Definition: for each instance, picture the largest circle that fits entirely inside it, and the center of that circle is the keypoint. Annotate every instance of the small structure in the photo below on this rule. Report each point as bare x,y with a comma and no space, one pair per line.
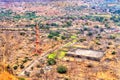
87,54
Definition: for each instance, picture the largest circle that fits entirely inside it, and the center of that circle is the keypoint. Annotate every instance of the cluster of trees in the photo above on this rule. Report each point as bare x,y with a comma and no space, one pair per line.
56,35
116,12
47,26
9,14
116,19
30,25
75,8
17,16
27,15
112,37
67,24
53,34
94,18
6,14
54,24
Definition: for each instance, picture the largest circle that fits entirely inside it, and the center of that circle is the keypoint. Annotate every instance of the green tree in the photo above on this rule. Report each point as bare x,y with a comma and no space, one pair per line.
51,62
61,69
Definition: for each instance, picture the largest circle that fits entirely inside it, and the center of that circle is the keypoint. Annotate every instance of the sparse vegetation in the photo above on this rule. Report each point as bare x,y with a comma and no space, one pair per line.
53,49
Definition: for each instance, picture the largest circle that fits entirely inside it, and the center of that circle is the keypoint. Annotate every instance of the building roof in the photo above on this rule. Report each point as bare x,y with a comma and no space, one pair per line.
87,53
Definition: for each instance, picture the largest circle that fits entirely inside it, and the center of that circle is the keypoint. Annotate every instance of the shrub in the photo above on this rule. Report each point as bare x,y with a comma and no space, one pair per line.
22,33
38,66
85,28
69,23
15,67
51,62
73,37
50,36
32,68
63,37
110,43
98,43
83,39
61,69
66,78
96,26
53,34
101,29
21,66
27,73
113,52
90,34
112,37
8,67
98,36
21,78
54,24
61,54
35,54
108,47
52,56
25,60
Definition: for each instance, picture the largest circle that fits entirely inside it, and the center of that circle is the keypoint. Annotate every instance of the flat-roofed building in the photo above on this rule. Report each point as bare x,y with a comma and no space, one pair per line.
88,54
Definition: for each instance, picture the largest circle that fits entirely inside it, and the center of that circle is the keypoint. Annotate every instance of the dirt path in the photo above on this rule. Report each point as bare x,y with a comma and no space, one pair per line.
44,55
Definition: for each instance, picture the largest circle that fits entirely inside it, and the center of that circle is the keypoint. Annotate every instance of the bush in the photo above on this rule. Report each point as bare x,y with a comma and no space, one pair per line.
25,60
61,54
38,66
113,52
35,54
83,39
69,23
15,67
53,34
50,36
21,66
54,24
61,69
90,34
66,78
85,28
51,62
63,37
98,36
8,67
21,78
73,37
52,56
96,26
112,37
22,33
98,43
